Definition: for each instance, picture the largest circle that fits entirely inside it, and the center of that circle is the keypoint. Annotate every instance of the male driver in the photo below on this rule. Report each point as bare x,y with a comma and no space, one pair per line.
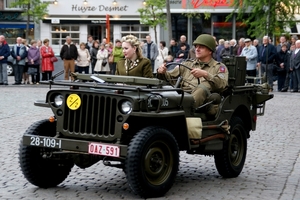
68,54
213,75
4,53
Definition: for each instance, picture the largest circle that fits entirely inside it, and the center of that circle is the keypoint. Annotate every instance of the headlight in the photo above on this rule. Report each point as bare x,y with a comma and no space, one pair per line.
58,100
126,107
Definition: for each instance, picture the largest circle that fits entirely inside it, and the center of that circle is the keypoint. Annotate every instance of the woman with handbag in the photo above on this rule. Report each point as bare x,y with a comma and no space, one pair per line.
33,57
102,66
83,59
47,64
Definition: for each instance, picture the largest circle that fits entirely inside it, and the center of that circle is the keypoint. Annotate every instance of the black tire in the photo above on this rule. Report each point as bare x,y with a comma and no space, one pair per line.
230,161
42,172
152,162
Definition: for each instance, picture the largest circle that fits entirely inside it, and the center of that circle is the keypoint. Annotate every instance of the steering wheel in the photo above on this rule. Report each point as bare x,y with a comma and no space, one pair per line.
180,78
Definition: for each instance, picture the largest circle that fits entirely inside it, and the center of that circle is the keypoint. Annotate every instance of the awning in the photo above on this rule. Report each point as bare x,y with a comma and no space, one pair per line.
16,26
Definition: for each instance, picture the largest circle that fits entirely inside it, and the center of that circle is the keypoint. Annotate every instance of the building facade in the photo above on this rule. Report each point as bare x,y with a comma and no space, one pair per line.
12,23
80,18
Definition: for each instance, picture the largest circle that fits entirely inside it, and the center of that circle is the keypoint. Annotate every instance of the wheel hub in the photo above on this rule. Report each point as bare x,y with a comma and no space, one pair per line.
235,150
154,161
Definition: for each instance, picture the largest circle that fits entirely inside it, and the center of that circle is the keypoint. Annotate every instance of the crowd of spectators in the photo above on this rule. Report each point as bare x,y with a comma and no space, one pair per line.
276,62
279,63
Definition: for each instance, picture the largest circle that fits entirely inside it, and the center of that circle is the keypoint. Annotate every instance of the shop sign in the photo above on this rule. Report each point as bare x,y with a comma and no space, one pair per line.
10,16
55,21
98,22
83,9
194,4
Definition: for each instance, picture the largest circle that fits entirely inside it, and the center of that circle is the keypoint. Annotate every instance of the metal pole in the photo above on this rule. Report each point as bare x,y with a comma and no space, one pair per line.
169,20
267,50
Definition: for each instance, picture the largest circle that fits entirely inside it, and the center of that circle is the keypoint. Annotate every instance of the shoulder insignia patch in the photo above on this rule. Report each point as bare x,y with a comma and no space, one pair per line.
222,69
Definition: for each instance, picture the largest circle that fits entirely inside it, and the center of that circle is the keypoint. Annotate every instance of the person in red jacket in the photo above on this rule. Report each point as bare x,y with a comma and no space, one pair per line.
47,64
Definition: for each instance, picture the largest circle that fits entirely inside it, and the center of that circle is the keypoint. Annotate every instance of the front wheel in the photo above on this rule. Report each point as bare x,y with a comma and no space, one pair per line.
152,162
39,166
230,160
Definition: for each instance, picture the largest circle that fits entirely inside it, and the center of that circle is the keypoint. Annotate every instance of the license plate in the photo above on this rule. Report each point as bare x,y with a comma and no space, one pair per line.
45,142
104,149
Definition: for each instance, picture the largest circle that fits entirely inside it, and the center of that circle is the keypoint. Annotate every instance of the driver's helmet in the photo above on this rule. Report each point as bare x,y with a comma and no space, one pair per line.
206,40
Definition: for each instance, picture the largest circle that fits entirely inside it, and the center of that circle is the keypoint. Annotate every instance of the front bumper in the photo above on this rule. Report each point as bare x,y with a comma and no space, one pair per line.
64,144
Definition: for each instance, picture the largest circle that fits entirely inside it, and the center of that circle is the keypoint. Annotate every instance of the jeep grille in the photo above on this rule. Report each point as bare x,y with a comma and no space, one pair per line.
95,117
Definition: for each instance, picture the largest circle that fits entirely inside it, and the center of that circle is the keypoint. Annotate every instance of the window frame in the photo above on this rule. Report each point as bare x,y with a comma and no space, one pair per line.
8,8
140,33
61,39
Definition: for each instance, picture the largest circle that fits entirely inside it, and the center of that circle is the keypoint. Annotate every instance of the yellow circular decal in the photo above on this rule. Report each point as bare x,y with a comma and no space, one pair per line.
73,101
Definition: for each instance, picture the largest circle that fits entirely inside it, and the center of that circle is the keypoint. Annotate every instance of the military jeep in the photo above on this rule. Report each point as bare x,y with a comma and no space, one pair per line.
140,125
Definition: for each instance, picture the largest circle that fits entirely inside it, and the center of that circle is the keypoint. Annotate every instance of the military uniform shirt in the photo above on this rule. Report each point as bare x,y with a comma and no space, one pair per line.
141,67
217,75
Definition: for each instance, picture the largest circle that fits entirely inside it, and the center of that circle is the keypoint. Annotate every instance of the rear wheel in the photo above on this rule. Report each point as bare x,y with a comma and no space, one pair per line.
152,162
230,160
39,166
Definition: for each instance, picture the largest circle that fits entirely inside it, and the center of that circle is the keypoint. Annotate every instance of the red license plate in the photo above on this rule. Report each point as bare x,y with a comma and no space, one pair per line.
104,149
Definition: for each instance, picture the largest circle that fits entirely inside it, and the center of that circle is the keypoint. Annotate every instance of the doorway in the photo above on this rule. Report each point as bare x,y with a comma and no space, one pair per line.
97,31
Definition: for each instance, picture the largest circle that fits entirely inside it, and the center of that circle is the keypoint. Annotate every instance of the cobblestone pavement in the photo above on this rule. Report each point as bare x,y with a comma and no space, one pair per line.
271,171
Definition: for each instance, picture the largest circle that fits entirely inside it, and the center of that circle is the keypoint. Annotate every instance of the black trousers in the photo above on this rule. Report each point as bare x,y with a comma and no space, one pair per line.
251,73
46,75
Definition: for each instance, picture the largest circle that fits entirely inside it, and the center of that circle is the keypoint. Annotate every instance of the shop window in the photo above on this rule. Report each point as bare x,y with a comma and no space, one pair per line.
222,29
125,28
74,28
241,30
60,32
11,34
200,26
179,26
140,31
8,4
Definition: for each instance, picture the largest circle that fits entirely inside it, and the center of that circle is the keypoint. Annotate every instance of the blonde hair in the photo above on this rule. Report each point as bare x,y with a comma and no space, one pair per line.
82,44
24,41
134,42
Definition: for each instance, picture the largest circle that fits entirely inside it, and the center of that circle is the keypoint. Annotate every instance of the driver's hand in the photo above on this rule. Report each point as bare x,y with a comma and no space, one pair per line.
162,69
198,73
